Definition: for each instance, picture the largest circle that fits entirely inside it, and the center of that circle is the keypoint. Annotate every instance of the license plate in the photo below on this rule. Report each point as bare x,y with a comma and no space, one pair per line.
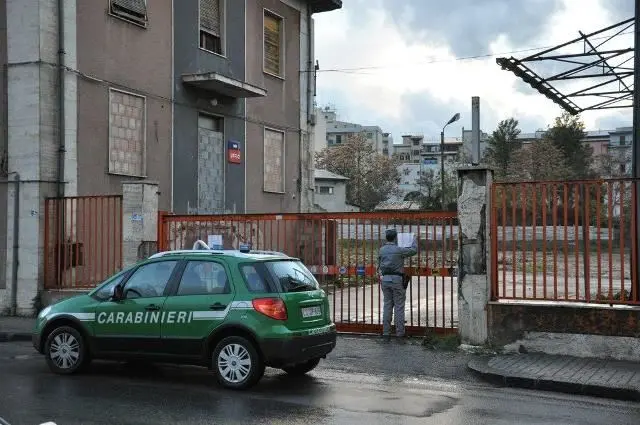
311,311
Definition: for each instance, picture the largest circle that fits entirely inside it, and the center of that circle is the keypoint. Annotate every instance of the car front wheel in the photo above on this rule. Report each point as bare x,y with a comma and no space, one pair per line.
65,350
237,364
302,368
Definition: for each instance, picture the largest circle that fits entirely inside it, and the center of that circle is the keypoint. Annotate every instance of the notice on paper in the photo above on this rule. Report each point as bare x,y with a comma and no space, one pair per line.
405,240
214,241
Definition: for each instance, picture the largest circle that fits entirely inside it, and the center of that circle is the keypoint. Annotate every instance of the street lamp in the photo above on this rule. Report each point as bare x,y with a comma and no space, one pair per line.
453,119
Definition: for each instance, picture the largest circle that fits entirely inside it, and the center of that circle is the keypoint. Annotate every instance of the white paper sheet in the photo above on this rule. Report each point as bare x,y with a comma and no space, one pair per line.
405,240
214,241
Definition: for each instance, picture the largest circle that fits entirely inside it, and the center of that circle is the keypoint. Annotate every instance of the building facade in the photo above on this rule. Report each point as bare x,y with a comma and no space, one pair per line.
207,98
331,192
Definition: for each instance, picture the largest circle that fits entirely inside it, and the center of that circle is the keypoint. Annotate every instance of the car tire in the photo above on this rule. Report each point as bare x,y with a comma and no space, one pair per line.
66,351
237,364
302,368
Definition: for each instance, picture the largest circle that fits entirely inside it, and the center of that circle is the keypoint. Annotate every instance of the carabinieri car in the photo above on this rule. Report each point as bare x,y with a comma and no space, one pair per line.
231,311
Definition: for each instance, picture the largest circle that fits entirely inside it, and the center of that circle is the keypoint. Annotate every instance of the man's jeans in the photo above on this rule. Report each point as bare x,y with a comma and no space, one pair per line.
394,299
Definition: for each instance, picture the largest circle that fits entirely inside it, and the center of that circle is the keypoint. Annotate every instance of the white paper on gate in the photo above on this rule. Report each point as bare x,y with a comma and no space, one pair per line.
214,241
405,240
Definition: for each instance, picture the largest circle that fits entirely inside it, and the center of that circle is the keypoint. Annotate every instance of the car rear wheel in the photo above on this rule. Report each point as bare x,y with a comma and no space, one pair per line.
237,364
302,368
65,350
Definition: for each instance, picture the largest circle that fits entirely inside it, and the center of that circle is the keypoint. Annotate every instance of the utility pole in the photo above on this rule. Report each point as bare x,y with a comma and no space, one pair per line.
442,200
636,151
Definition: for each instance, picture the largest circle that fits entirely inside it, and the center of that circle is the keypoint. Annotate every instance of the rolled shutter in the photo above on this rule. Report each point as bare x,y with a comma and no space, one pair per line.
210,16
272,44
138,7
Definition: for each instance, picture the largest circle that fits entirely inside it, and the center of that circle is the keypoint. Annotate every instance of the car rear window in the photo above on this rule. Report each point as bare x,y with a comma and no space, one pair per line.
292,276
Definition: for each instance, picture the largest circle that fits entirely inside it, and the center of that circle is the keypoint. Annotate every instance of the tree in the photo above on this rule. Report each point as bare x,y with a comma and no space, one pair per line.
567,134
373,178
540,160
501,146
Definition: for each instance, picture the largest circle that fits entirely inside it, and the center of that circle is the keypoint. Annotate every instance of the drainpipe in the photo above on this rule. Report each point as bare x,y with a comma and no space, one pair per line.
304,184
16,246
61,93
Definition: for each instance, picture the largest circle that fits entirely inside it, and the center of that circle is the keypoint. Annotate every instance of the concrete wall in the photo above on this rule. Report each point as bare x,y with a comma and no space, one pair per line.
3,143
107,46
279,110
189,59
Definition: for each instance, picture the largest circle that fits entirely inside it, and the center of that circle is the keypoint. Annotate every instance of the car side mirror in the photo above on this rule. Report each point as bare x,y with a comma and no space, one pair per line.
117,293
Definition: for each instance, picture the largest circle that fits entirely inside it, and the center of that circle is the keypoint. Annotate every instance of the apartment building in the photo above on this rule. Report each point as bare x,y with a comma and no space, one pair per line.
414,149
96,93
339,131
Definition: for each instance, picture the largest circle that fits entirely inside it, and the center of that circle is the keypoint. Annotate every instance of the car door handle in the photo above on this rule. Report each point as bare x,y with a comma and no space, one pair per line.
152,307
217,306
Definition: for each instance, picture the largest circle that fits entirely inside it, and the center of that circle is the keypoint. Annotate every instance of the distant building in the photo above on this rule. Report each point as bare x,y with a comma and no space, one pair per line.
331,192
339,131
416,150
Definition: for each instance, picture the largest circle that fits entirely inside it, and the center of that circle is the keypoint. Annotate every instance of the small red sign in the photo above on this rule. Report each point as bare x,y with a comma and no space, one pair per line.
234,156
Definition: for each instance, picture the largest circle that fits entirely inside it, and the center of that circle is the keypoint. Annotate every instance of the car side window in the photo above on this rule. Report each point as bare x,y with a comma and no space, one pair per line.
149,280
106,291
204,278
254,280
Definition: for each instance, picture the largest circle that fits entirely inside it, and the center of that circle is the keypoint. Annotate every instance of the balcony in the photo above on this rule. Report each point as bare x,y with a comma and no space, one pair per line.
217,83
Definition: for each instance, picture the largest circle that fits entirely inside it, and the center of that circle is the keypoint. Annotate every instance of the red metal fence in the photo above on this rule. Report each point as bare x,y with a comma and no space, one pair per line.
565,241
341,250
82,240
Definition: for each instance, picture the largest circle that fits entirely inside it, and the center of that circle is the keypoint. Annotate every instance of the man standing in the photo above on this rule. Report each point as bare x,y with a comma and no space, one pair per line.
391,268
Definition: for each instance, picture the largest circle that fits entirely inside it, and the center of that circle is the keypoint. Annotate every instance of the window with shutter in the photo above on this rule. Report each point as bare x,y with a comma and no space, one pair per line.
211,25
131,10
272,44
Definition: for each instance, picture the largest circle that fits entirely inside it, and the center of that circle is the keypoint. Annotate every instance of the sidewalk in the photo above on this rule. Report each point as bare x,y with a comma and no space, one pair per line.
592,377
16,328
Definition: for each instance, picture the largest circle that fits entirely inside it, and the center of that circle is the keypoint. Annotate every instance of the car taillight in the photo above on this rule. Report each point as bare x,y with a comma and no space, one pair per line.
271,307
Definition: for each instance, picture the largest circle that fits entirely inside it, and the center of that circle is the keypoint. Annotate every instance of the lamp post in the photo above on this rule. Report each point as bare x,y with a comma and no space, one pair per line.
453,119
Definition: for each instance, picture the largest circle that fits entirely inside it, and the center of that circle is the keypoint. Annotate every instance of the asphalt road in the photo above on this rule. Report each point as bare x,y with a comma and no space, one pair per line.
342,391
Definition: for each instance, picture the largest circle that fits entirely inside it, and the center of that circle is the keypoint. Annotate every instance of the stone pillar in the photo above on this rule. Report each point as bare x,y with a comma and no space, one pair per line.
139,221
474,288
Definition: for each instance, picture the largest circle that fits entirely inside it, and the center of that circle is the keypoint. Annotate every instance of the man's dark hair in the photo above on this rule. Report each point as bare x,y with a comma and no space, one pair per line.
391,235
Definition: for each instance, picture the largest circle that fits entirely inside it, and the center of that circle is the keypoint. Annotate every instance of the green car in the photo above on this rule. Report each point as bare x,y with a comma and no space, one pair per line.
235,312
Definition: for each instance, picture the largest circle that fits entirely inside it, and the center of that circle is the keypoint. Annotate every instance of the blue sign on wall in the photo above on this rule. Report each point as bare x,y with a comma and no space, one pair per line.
430,161
360,271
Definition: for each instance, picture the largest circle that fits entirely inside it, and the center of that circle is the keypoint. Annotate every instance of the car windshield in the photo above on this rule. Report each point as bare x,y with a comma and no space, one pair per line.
293,276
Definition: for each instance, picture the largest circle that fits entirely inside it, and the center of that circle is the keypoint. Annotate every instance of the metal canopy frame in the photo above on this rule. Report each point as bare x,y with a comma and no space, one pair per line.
594,64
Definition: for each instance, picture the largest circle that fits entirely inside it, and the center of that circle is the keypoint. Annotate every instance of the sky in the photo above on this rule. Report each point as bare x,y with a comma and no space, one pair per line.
404,64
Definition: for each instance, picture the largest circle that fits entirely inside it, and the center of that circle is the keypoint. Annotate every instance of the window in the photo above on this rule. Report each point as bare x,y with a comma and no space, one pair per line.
293,276
105,292
204,278
134,11
369,135
338,138
127,116
211,25
622,140
150,280
623,168
326,190
273,43
254,278
273,161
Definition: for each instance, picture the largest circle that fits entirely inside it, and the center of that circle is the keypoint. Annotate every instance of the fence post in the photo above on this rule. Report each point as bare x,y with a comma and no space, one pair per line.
139,220
474,288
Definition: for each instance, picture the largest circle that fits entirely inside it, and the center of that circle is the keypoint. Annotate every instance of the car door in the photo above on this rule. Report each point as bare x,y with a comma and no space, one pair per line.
132,324
196,307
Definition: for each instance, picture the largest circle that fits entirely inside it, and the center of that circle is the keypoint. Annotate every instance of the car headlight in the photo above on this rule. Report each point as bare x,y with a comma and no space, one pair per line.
44,312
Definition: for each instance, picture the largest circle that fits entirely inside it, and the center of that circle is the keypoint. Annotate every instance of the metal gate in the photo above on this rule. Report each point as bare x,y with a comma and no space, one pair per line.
341,250
82,240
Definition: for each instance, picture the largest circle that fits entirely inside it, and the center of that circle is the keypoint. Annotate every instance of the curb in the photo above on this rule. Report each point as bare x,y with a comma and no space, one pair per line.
14,336
481,368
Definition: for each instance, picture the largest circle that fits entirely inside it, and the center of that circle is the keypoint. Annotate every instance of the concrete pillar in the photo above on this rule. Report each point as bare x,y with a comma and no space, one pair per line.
474,288
139,221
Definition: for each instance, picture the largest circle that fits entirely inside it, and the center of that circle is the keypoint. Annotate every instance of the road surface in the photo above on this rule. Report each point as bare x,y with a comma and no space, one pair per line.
341,391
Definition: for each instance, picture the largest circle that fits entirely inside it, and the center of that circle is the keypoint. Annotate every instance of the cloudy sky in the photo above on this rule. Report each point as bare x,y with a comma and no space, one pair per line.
404,64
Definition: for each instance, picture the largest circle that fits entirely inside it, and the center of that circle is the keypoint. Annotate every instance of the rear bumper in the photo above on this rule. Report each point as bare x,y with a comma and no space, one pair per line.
299,349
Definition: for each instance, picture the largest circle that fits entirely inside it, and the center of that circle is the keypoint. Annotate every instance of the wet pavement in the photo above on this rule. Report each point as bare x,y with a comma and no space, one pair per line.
421,387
